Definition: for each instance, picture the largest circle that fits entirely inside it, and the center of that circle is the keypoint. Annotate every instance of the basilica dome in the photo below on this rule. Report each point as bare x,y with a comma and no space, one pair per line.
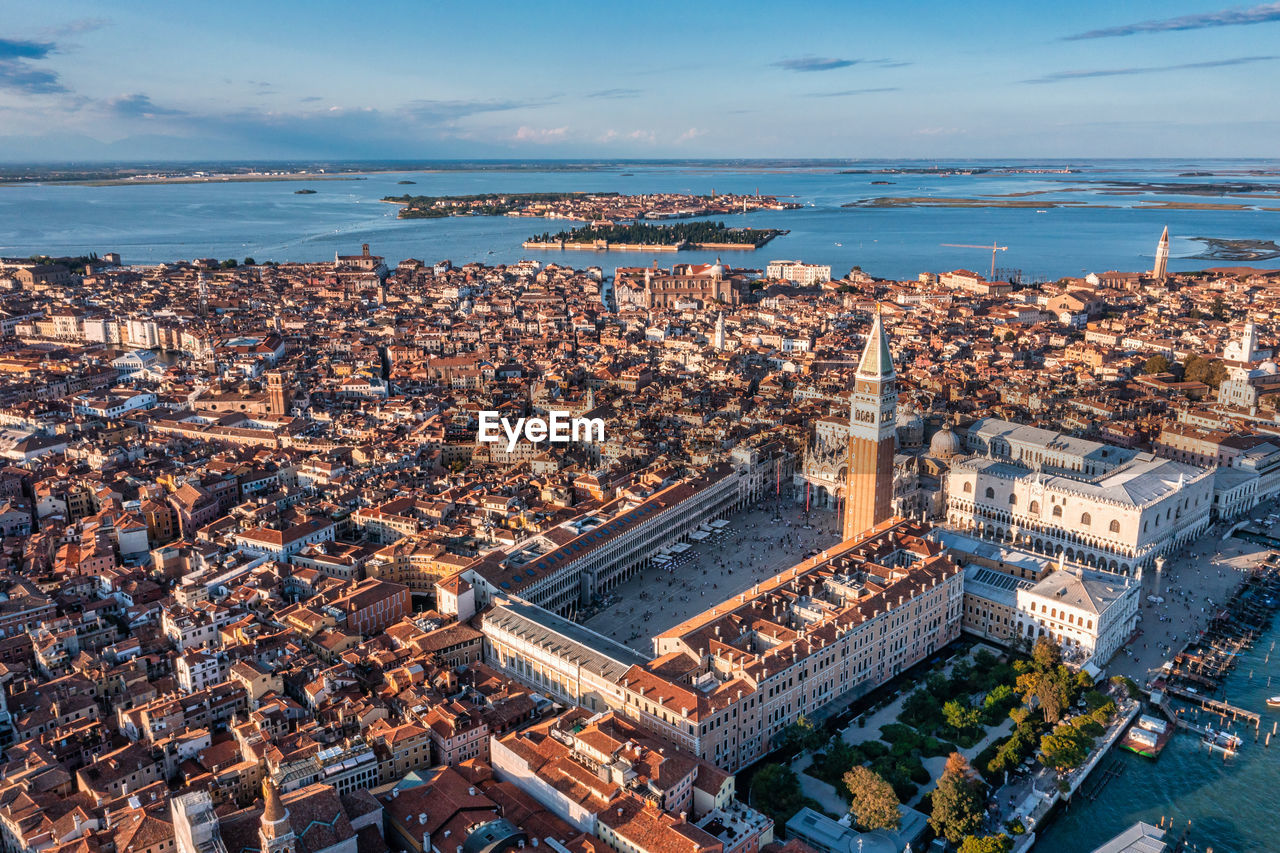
945,443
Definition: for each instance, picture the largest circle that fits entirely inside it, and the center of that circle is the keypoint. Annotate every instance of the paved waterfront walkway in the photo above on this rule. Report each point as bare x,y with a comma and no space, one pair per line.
1201,576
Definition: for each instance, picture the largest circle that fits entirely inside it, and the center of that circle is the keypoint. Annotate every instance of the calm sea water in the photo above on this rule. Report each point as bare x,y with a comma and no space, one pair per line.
268,221
1232,805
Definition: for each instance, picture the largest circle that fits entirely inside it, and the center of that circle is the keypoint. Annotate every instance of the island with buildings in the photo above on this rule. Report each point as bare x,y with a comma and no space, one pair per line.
609,207
669,237
856,562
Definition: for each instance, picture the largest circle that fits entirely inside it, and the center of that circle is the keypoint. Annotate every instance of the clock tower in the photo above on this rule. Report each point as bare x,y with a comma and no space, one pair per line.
873,419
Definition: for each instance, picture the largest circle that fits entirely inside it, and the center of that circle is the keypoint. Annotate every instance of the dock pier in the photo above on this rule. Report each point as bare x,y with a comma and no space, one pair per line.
1215,706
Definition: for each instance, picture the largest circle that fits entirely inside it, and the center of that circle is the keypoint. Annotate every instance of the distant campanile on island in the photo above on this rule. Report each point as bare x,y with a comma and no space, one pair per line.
1162,256
873,416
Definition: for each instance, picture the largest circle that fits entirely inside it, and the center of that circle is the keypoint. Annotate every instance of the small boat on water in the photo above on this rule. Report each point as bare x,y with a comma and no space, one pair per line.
1221,741
1273,702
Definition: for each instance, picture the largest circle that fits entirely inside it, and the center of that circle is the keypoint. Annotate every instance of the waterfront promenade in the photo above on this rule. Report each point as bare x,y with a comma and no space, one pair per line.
1203,574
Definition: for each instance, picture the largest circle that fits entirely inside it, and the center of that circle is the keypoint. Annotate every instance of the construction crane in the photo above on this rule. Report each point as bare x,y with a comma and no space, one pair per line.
993,247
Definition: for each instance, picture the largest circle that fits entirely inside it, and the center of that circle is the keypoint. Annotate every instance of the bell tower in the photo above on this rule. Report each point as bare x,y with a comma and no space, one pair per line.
275,834
872,420
279,397
1160,270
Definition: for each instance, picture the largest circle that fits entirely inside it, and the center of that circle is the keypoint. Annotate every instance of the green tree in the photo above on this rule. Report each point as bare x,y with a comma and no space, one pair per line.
938,685
229,264
1052,696
1216,373
984,661
1195,368
801,734
1130,686
775,790
250,262
872,800
987,844
957,801
1052,689
919,708
998,702
1046,655
1156,364
1007,757
960,716
1065,748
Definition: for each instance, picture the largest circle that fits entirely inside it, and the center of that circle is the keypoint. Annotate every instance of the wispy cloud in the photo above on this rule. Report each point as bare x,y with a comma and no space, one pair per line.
1263,14
1084,74
77,27
844,93
828,63
814,63
19,49
613,93
449,111
138,105
18,74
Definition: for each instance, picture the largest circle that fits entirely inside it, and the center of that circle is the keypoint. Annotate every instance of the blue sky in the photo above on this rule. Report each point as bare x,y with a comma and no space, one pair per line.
293,79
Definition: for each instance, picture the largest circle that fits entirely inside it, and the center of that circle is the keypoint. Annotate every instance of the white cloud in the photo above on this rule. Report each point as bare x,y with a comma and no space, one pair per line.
541,135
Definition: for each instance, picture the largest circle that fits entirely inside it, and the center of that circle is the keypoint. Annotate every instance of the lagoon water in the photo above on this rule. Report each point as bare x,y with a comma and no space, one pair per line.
1232,805
269,221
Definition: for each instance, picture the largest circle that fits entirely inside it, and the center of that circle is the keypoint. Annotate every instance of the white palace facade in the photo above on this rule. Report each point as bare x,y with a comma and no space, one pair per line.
1091,504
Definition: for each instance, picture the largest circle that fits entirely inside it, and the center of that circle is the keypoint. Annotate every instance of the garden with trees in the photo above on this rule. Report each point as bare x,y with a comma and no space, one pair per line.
1046,689
1056,714
1195,368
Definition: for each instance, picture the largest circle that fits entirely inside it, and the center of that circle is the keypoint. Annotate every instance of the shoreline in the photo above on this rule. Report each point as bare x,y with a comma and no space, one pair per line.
604,246
192,179
1006,202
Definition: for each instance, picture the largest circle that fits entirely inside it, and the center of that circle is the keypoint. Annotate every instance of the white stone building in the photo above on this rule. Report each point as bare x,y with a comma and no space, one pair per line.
1090,614
1105,507
799,272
